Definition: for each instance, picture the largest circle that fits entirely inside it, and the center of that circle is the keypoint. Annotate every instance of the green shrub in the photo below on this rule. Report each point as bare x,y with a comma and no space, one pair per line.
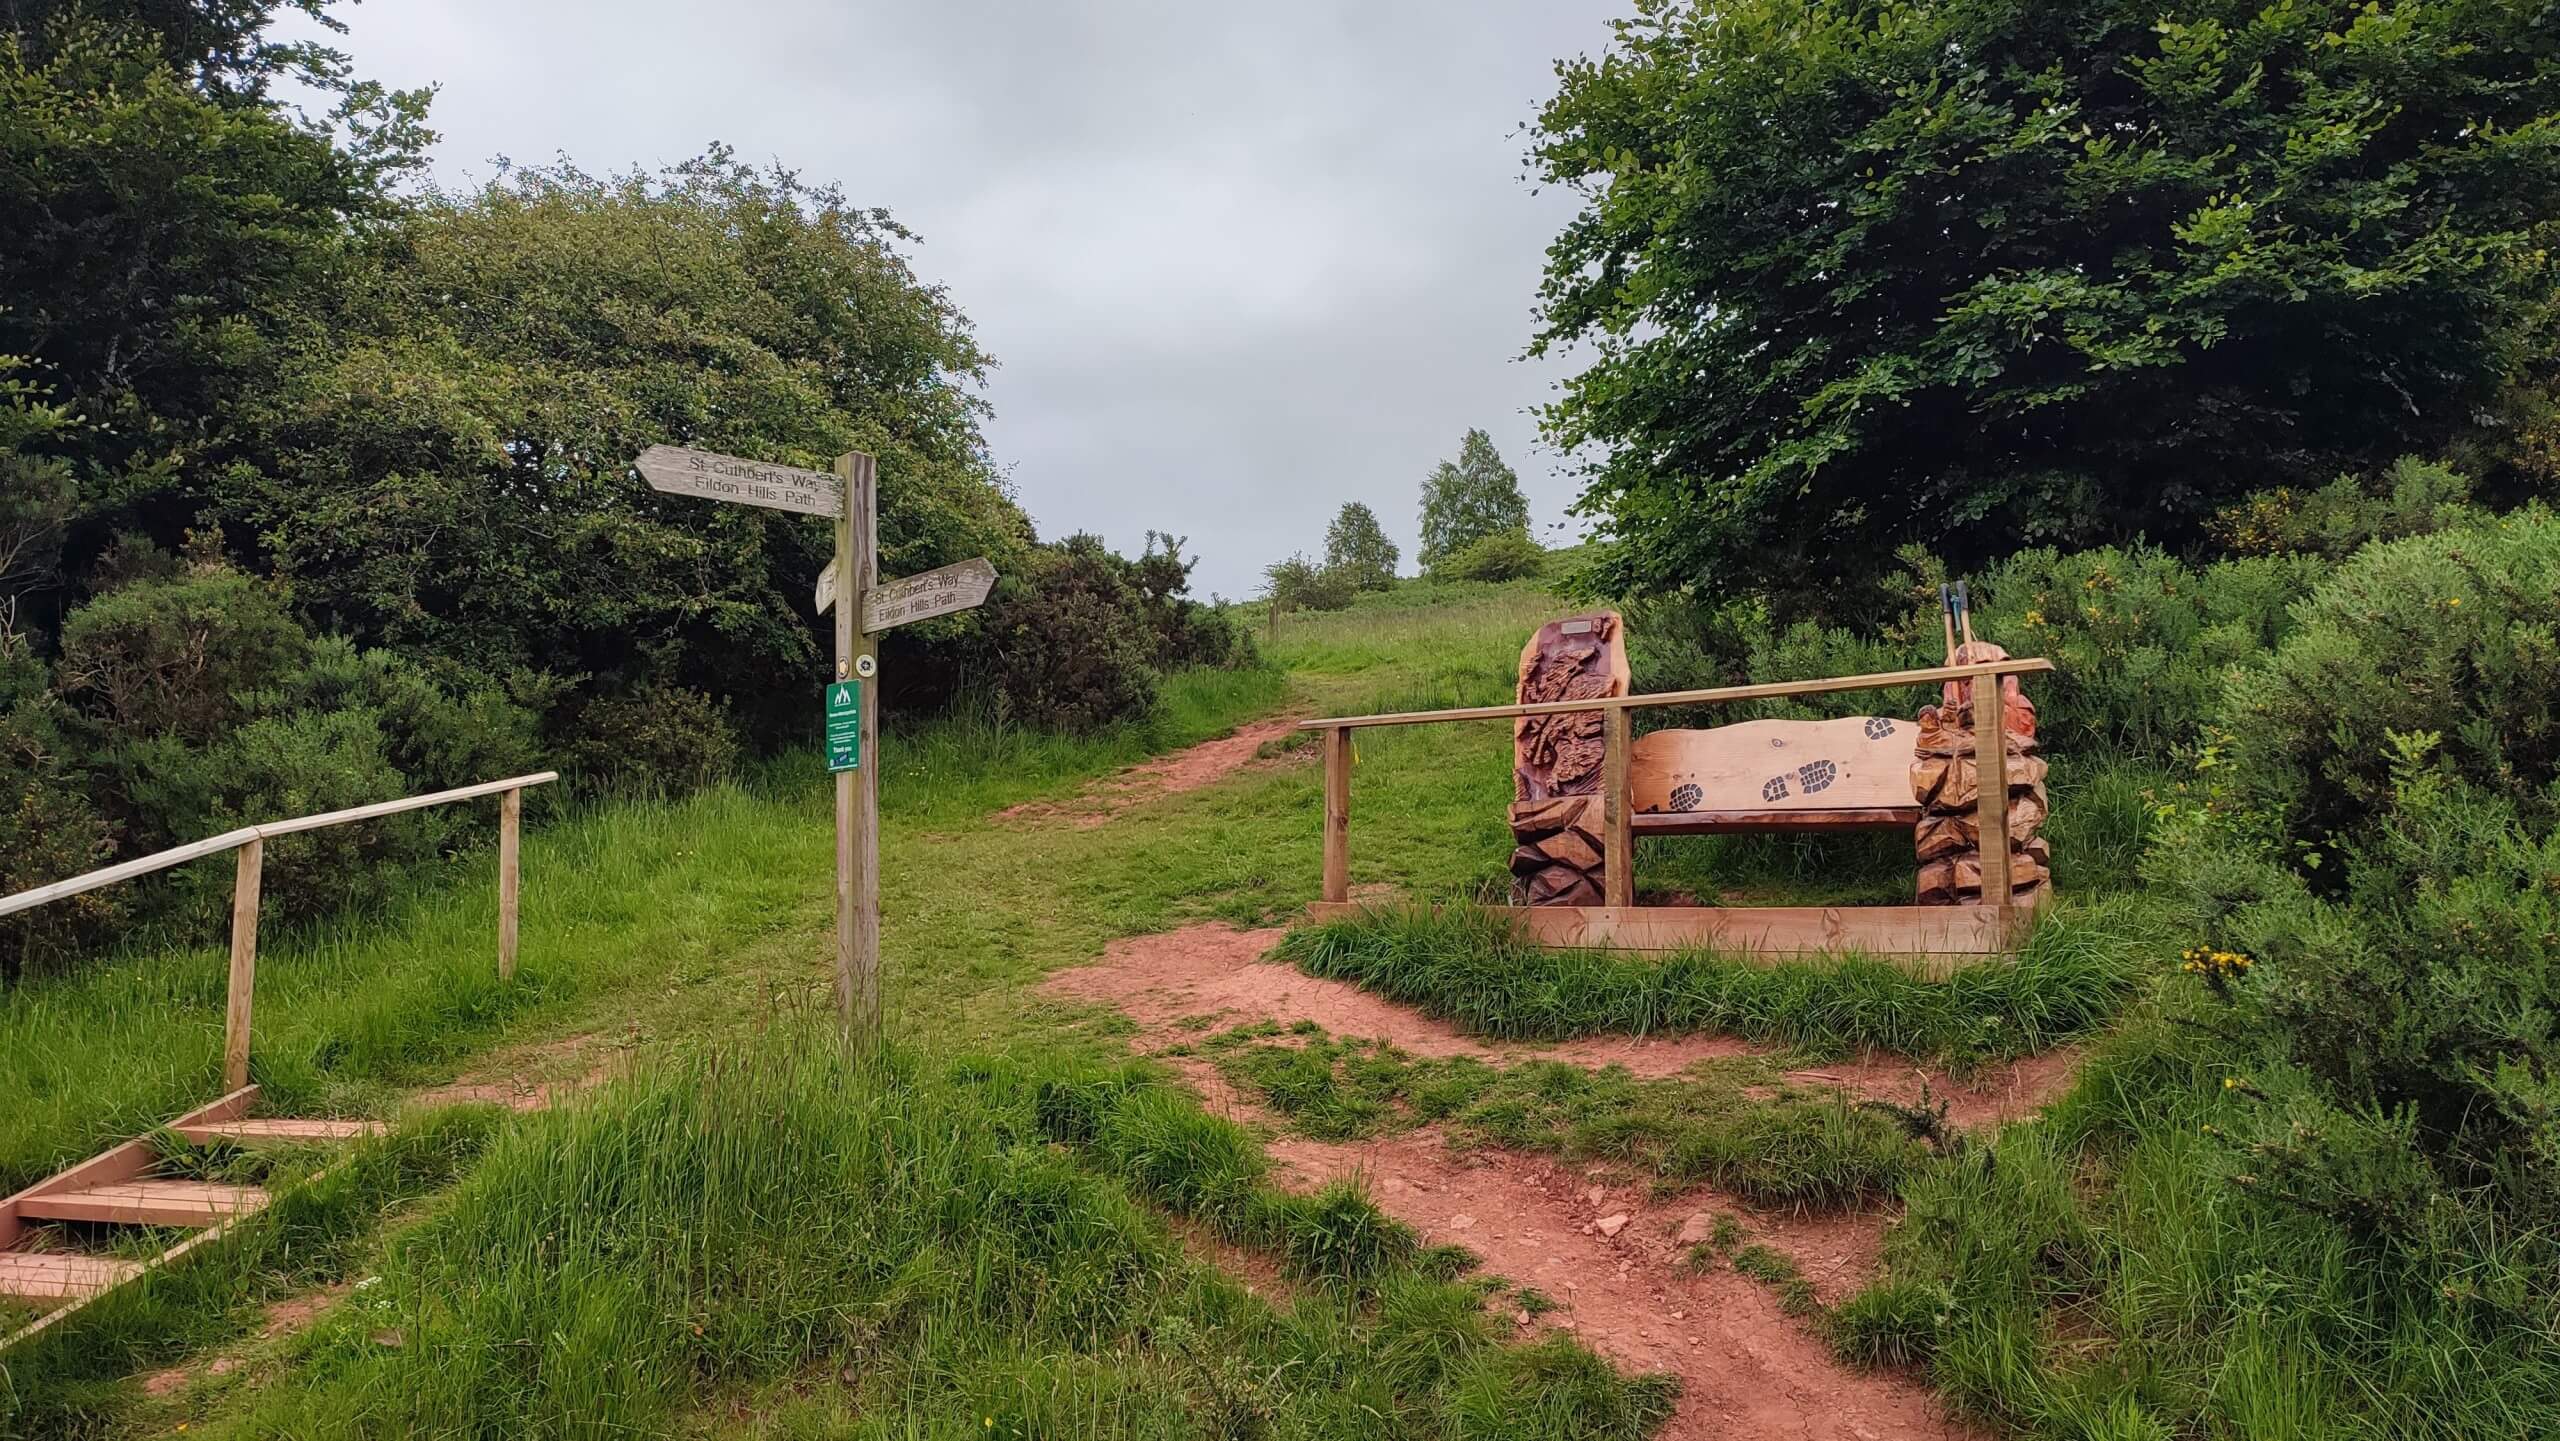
191,703
1506,555
2142,642
656,736
2408,1017
1300,584
2455,634
1066,648
181,657
49,828
2409,497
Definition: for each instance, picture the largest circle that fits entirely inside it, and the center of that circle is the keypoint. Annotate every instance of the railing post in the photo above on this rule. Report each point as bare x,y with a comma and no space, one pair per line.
1618,863
244,962
510,824
1991,791
1337,814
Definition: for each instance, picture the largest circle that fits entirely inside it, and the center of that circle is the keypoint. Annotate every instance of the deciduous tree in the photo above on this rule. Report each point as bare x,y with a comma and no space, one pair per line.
1467,499
1977,272
1355,545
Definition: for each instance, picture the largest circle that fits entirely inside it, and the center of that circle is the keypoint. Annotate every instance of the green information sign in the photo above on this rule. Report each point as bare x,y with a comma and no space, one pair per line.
844,726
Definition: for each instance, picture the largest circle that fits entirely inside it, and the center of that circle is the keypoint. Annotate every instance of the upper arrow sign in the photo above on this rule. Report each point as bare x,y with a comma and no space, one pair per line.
678,471
922,597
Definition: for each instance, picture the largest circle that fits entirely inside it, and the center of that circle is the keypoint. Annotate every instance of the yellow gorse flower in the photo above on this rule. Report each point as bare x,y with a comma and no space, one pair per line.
2203,960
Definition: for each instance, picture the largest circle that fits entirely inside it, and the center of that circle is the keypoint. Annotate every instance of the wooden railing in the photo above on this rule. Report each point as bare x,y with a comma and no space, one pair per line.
1992,754
250,842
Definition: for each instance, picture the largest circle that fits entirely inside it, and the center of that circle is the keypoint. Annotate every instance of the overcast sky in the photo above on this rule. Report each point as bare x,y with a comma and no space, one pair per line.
1238,264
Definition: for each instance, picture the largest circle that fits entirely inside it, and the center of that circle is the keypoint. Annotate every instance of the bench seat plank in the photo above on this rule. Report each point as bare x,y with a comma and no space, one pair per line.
1784,771
1718,823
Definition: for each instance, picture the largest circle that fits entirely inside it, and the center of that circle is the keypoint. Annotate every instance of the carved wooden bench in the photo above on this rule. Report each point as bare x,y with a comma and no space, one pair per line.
1857,773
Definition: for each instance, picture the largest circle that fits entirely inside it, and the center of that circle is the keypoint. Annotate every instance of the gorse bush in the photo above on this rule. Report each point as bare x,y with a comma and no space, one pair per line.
2455,634
2375,840
2409,497
2142,642
1077,641
1301,584
1505,555
187,701
2411,1018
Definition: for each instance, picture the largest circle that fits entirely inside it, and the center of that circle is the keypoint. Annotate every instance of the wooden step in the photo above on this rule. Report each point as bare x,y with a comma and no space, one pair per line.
278,1131
146,1203
59,1275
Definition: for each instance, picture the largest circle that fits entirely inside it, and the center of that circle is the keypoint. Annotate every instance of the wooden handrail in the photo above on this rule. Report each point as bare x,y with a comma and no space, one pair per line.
1765,691
251,843
233,840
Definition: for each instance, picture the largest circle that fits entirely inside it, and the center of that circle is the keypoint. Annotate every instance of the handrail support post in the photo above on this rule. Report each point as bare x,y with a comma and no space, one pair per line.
510,829
1617,765
244,962
1337,814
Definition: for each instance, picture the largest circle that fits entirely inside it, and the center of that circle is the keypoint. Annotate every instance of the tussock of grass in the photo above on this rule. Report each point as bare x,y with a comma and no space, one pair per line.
2098,1273
1780,1147
1468,966
890,1252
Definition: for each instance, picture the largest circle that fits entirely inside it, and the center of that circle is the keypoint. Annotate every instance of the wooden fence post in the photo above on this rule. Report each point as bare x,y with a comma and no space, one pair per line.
1618,864
510,824
244,962
1991,790
1337,814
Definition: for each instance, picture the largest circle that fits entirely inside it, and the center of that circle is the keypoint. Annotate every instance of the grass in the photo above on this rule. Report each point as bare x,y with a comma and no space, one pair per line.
741,1237
74,1379
2072,971
620,895
904,1251
2098,1273
1735,1125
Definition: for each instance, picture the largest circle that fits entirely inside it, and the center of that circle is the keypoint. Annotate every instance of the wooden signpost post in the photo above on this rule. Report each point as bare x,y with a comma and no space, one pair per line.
864,605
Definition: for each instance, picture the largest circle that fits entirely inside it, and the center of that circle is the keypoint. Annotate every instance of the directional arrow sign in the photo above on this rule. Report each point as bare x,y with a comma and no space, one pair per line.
827,588
922,597
679,471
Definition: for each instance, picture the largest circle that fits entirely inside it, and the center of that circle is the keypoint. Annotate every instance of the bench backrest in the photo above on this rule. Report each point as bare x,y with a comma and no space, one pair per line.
1859,763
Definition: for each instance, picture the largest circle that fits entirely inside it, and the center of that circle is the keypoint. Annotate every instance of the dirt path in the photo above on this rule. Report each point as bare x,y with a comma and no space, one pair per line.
1745,1367
1611,1257
1184,770
1216,972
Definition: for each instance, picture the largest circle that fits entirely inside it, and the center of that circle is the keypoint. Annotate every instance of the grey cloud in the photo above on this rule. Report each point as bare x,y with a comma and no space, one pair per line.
1238,264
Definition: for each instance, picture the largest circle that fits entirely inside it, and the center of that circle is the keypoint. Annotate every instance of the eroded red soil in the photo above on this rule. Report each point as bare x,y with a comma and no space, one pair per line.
1746,1368
1611,1256
1184,770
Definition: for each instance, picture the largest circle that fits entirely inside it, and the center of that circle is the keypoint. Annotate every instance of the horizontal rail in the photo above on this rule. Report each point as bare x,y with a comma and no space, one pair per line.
1766,691
233,840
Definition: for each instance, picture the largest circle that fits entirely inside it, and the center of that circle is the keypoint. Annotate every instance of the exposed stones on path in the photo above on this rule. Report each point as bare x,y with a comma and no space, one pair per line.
1187,769
1215,971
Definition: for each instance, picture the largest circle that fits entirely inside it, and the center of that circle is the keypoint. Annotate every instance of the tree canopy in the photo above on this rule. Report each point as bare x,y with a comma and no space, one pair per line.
1355,545
1980,273
446,467
1467,499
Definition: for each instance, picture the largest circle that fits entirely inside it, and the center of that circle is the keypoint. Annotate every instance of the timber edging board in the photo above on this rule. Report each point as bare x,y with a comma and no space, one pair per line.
1928,940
